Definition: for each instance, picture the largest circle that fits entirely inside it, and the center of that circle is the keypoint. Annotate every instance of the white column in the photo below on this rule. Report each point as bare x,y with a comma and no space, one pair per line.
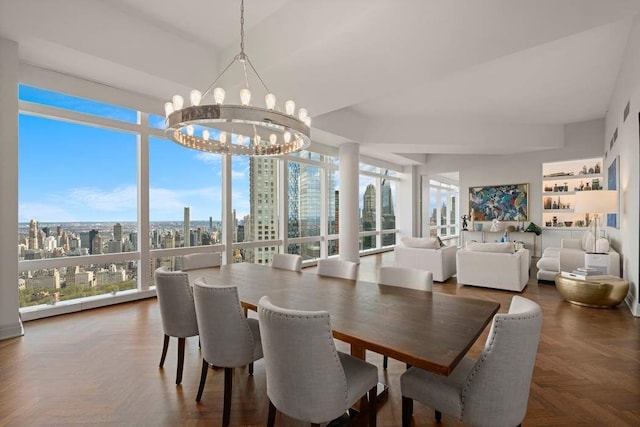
227,211
349,219
10,325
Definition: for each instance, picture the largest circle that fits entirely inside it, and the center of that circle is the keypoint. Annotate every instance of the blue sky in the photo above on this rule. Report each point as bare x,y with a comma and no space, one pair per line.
74,172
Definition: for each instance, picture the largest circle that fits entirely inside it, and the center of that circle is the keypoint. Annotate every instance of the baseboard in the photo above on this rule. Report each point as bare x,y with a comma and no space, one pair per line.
11,331
634,308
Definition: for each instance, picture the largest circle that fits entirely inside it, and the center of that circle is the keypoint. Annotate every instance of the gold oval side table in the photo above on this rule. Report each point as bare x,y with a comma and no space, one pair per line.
600,292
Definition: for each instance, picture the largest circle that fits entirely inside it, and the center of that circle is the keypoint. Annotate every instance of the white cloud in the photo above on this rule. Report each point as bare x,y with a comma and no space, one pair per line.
120,199
44,212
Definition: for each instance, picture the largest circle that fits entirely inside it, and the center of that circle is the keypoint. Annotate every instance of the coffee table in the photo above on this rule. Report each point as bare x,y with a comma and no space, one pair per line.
600,292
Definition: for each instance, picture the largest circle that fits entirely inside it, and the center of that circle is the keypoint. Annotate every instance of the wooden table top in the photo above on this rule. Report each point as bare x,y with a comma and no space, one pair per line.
428,330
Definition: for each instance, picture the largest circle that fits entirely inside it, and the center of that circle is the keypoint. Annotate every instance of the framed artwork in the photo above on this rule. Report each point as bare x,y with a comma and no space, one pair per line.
503,202
613,183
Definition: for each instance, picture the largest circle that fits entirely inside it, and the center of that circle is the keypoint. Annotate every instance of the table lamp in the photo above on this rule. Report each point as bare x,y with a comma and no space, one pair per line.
596,203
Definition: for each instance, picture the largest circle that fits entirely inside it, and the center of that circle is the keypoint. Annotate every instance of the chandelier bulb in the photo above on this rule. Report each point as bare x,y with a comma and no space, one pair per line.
240,140
218,95
178,102
196,97
303,114
256,140
270,101
205,135
168,108
290,107
223,137
307,121
245,96
287,137
273,139
190,130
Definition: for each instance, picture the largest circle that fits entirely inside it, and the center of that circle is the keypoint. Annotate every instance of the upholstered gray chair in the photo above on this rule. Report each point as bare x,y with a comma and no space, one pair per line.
493,390
228,339
202,260
287,262
404,277
177,312
338,268
307,378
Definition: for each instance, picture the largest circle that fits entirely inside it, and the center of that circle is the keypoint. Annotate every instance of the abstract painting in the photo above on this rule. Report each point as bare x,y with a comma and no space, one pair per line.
502,202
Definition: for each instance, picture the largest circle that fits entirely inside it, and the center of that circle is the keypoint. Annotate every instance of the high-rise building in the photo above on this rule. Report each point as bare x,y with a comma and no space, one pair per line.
263,219
309,208
32,242
369,216
293,191
186,232
92,236
96,244
117,232
388,214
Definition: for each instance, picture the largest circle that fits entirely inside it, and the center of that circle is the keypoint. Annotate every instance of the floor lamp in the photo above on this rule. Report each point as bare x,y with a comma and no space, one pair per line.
596,202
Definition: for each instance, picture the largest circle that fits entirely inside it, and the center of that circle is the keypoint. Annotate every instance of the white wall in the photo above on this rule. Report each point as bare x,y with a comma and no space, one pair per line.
626,239
581,141
10,325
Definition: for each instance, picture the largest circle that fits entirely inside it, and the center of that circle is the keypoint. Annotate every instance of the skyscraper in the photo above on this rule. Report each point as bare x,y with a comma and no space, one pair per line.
32,242
369,216
388,214
186,232
117,232
263,218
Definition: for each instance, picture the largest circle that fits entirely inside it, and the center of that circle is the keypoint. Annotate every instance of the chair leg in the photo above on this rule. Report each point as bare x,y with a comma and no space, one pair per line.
438,416
165,347
181,342
251,368
407,411
271,419
372,407
203,379
385,361
226,408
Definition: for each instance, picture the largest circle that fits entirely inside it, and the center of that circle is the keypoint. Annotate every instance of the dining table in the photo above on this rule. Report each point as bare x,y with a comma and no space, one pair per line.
428,330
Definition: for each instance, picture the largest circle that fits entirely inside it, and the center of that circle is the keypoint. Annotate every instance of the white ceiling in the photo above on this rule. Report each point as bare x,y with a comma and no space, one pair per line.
396,76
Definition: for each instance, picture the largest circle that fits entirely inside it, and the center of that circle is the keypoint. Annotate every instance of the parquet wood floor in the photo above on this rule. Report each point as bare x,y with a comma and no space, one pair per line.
100,367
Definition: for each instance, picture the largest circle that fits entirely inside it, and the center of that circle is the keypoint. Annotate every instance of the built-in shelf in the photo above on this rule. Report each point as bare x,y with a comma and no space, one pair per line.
557,211
568,177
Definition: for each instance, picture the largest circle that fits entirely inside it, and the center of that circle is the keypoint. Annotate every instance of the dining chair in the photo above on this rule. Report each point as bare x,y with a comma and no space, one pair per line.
404,277
228,339
338,268
492,390
287,262
177,312
307,378
201,260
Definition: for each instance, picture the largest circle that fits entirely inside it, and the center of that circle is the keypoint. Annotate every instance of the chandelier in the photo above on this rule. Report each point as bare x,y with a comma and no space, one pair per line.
241,129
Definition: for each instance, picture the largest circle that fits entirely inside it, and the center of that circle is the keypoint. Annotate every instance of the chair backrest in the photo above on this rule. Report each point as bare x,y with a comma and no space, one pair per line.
225,337
176,303
287,262
203,260
305,378
405,277
338,268
497,388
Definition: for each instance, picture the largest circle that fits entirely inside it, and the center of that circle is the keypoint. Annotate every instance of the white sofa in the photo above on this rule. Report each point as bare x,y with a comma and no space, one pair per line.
568,257
441,262
480,266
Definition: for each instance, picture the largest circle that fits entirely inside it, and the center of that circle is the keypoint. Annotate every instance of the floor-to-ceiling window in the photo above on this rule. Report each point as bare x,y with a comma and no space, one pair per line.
87,168
441,219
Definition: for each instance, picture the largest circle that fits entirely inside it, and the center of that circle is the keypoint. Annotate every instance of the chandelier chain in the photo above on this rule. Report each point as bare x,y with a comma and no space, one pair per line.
242,27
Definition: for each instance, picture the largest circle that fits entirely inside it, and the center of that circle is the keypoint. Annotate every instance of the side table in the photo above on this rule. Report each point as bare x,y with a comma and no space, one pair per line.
597,261
600,292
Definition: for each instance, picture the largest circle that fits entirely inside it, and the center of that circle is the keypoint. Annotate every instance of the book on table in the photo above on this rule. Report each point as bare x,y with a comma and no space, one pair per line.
581,276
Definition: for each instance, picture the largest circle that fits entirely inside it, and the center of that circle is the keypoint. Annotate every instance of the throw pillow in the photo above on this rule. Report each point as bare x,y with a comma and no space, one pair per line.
505,247
419,242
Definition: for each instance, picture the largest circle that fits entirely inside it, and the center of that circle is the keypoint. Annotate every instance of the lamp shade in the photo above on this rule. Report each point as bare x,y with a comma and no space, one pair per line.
600,202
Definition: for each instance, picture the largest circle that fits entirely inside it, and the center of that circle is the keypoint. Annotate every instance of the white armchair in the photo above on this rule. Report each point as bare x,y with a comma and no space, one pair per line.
498,270
441,262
